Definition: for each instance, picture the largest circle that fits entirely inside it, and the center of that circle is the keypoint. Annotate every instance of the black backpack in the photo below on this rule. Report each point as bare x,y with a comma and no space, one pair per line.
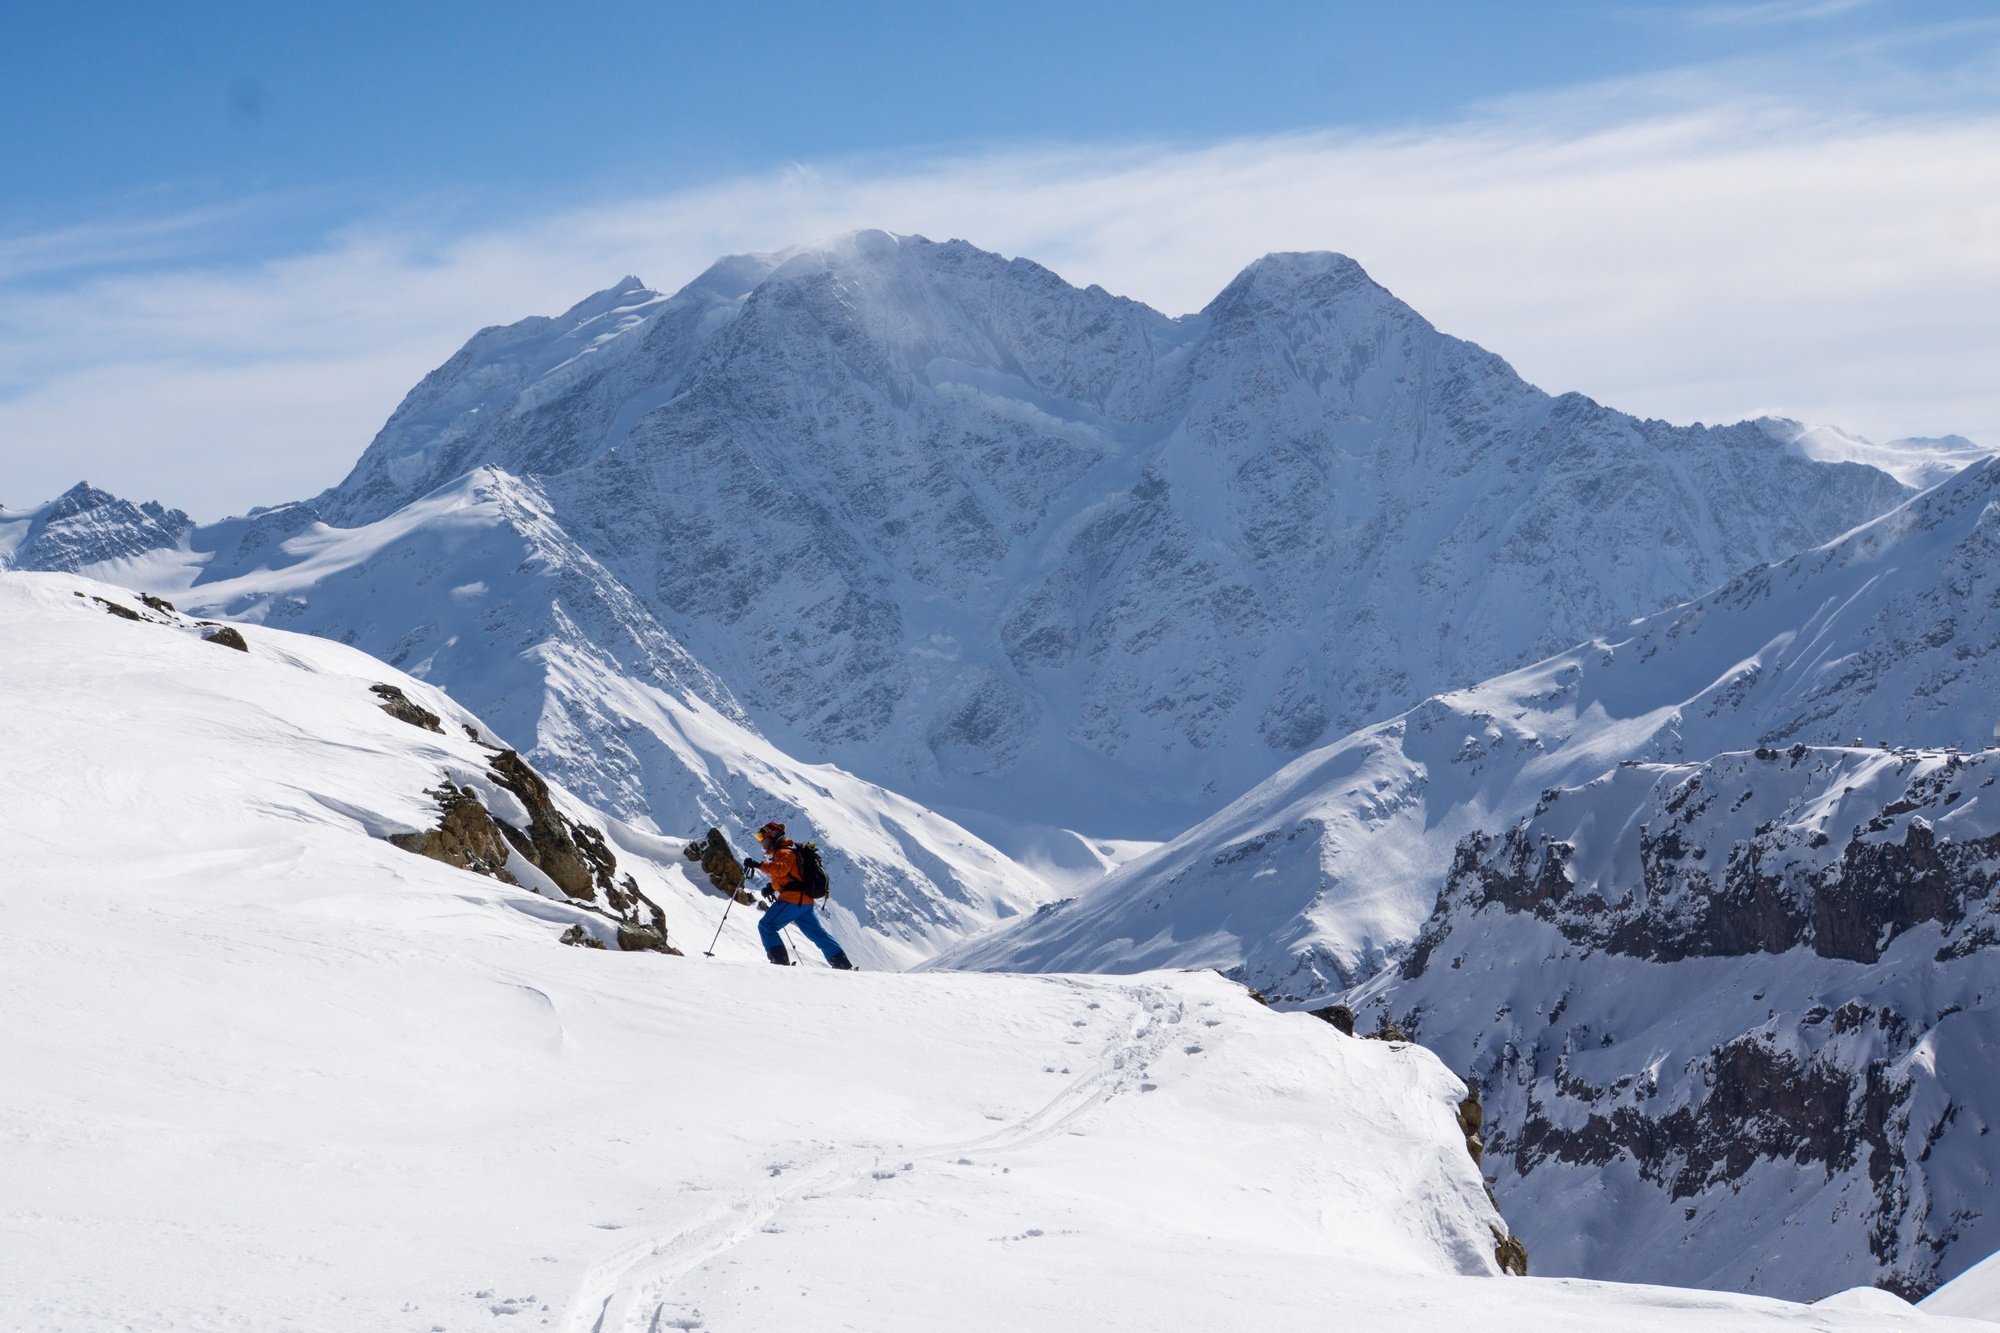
812,871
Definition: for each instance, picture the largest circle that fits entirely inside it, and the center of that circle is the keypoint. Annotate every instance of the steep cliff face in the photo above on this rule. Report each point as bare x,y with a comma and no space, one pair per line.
1006,544
1326,873
1707,1004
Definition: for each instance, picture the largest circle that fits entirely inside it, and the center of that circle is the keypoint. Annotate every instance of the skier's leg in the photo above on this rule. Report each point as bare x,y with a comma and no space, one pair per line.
768,925
813,929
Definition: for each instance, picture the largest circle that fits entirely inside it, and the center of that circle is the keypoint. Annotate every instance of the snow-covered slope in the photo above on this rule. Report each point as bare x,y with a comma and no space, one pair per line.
477,589
268,1071
1918,462
1007,545
1324,873
1733,1022
1974,1294
1651,1024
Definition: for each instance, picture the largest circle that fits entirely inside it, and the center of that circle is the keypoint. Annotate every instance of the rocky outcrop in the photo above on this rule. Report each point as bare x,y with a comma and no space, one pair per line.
1728,1001
1788,884
573,855
404,709
720,863
466,835
228,636
1339,1015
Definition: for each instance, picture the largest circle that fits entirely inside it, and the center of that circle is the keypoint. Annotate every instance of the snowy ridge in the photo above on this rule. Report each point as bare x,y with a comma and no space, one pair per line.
85,526
1004,544
1758,1025
261,1040
1973,1294
1921,463
1325,873
476,588
982,539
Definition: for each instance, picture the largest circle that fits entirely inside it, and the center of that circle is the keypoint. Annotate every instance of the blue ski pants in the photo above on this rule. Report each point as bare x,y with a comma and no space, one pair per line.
781,914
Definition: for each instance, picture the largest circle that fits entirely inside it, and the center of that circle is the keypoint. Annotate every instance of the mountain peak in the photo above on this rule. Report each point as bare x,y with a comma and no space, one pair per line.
1305,263
80,497
625,294
1289,281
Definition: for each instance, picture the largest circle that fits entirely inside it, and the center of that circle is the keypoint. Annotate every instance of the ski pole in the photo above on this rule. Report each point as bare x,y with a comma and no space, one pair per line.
710,951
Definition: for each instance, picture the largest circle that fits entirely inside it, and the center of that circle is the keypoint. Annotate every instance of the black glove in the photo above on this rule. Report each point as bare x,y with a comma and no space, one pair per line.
751,867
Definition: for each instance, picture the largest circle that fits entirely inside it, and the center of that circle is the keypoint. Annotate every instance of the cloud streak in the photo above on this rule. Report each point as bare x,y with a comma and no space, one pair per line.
1769,13
1707,262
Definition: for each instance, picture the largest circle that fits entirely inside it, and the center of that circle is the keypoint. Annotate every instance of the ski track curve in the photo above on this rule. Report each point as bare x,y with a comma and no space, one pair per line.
629,1291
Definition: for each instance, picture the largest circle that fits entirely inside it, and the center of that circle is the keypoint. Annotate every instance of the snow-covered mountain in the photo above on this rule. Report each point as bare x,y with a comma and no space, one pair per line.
1728,1005
1036,556
270,1070
1323,874
85,526
1733,1022
1038,552
476,587
1916,461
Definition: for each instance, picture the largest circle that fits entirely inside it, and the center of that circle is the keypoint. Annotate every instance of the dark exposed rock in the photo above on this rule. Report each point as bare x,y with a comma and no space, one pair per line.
1512,1256
157,603
644,939
123,612
1849,1087
1337,1014
573,855
581,938
404,709
228,637
1759,1102
1470,1118
467,836
720,863
1853,908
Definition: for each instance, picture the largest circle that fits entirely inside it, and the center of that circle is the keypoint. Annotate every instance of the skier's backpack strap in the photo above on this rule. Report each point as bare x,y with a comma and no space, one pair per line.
812,871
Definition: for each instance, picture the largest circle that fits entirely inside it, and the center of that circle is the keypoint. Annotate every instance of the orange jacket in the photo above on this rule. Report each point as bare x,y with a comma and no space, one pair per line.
781,863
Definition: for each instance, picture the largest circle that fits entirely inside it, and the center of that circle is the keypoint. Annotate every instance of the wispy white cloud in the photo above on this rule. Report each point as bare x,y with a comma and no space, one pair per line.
1767,13
1705,261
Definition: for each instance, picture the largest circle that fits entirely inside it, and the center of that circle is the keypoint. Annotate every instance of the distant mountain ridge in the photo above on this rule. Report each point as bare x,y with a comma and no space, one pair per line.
1007,544
1324,874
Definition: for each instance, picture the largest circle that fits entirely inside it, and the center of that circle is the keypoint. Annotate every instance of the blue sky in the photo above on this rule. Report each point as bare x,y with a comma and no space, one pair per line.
336,108
234,233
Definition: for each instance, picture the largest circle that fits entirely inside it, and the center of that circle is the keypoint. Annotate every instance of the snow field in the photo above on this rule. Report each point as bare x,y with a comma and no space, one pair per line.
267,1072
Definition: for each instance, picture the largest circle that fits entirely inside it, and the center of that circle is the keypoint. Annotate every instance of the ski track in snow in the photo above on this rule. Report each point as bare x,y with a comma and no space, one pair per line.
633,1289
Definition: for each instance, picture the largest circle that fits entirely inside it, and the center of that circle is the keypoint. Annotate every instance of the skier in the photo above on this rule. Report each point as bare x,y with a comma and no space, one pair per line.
788,902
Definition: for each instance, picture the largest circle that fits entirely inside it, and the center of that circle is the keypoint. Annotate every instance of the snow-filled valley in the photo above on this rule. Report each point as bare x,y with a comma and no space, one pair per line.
269,1071
1102,652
